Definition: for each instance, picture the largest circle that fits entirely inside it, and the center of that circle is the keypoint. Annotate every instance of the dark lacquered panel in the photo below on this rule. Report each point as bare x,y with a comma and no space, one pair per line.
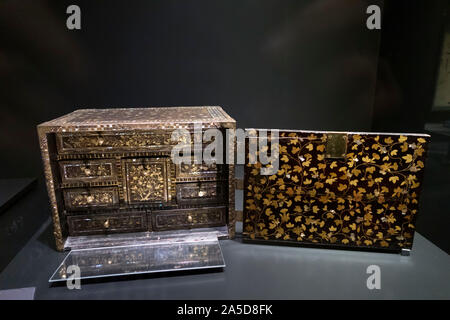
188,218
98,223
364,193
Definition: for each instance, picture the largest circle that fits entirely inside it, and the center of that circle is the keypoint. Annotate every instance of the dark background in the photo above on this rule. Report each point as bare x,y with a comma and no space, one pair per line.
309,64
271,64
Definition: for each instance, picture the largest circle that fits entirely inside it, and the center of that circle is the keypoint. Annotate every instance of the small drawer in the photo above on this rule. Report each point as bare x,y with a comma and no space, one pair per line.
193,171
188,218
200,192
88,171
81,198
92,224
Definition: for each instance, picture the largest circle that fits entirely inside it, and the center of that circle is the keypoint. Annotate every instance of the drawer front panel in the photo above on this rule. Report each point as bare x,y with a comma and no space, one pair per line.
194,171
88,171
146,180
81,225
200,192
188,218
90,198
112,142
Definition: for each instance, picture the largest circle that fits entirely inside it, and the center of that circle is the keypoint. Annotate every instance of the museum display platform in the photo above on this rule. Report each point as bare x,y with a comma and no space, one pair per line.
253,271
293,273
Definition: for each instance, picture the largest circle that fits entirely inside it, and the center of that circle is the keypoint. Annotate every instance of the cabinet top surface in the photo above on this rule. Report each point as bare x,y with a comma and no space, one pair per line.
147,117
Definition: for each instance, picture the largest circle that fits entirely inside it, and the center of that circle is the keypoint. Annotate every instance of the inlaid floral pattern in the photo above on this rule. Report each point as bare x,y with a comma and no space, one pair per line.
196,169
79,198
78,141
195,191
369,198
194,218
147,181
205,192
99,223
88,170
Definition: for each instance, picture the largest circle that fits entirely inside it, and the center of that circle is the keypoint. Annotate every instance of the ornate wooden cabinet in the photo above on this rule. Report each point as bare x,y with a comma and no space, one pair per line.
338,189
110,171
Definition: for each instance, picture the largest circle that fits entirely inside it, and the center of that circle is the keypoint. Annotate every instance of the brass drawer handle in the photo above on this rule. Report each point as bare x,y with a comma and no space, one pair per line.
189,218
106,224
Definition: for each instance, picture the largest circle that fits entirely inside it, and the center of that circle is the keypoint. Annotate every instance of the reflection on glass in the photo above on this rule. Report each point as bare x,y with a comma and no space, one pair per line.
139,259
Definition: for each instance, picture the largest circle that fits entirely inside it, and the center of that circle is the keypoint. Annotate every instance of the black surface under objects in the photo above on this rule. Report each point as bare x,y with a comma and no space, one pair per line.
12,190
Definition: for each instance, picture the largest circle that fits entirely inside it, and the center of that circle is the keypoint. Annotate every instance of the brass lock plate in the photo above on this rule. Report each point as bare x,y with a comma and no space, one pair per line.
336,146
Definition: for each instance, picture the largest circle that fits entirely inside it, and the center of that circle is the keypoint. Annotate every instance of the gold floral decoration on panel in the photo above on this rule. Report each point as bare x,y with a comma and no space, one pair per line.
88,171
193,218
115,140
91,199
196,169
84,224
146,182
206,190
369,198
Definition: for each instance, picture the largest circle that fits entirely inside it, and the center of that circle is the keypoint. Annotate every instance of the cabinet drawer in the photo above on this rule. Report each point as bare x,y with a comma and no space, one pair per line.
91,224
88,171
81,198
188,218
114,141
193,171
200,192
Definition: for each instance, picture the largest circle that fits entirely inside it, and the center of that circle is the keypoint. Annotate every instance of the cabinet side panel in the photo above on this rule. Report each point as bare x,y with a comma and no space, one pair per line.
50,179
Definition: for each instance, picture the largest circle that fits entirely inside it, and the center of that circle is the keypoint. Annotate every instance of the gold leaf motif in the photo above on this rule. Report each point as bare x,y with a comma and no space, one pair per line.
408,158
421,140
370,169
394,179
297,169
315,200
367,159
404,147
384,243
